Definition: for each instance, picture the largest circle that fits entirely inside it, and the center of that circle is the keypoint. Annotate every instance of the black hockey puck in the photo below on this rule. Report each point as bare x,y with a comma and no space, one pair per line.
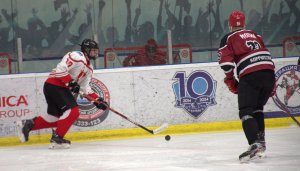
167,137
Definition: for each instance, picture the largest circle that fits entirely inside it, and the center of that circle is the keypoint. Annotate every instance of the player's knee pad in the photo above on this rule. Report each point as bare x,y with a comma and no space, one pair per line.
258,111
245,111
258,114
246,117
73,112
50,118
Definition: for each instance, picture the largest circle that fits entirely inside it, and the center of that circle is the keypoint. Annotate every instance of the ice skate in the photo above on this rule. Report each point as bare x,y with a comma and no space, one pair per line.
57,142
261,140
261,152
23,129
256,150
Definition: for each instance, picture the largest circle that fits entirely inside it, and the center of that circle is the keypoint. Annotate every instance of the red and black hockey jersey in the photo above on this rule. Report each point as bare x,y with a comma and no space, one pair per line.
246,50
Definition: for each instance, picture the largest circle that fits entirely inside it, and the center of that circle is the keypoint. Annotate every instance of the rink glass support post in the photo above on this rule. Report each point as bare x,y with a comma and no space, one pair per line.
20,55
170,53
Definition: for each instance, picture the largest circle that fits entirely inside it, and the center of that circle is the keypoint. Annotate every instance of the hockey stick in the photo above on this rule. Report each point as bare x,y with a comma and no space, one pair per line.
285,109
289,113
155,131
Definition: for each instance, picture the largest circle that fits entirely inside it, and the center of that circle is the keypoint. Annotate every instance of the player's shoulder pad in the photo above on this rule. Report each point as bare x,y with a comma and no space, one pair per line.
224,40
77,56
79,53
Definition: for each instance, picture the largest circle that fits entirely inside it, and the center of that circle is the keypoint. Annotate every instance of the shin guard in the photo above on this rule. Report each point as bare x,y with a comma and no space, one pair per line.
66,120
250,128
44,122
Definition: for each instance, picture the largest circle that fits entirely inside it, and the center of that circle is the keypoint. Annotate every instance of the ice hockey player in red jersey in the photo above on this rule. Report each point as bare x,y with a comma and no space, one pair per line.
71,75
245,50
151,55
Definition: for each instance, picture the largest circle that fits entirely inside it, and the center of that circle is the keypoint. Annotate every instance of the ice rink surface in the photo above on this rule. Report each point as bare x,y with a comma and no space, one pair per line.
203,152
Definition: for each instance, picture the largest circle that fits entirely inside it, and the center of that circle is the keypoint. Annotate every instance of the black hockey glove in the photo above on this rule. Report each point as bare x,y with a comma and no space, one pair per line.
102,104
74,86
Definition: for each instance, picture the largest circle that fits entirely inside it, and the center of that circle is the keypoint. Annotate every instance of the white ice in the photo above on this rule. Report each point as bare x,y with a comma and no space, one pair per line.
201,152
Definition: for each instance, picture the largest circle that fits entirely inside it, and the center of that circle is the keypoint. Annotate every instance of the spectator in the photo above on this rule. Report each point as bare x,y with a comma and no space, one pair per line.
150,55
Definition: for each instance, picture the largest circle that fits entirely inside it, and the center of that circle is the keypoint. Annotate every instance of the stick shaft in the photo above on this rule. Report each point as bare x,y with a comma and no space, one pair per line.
286,110
118,113
289,113
135,123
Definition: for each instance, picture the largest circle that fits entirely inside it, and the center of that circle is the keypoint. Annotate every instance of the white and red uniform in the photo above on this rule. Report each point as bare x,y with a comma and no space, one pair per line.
71,75
76,66
62,106
246,50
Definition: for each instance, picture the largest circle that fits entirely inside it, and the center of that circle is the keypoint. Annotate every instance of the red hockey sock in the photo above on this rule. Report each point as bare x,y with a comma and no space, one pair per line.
40,123
66,121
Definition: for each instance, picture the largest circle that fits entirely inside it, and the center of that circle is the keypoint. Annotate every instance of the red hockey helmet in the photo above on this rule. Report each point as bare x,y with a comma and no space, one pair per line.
237,19
151,46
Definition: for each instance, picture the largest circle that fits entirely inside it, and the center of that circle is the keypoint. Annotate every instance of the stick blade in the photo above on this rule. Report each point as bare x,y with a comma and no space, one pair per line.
59,146
161,128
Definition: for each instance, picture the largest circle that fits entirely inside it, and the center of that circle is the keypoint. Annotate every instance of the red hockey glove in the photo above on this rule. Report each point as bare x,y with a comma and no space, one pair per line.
232,84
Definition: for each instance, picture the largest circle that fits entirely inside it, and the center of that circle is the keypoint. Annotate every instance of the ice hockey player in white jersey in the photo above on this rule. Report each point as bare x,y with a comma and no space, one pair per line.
71,75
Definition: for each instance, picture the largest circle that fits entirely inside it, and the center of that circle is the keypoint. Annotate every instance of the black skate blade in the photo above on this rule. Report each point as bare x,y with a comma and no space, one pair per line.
244,159
59,146
249,158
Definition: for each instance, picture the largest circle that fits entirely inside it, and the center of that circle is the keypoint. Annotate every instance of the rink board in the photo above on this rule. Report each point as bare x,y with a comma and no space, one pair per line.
138,132
150,96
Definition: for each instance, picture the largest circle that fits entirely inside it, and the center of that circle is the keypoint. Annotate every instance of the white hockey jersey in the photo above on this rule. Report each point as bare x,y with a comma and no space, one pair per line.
76,66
